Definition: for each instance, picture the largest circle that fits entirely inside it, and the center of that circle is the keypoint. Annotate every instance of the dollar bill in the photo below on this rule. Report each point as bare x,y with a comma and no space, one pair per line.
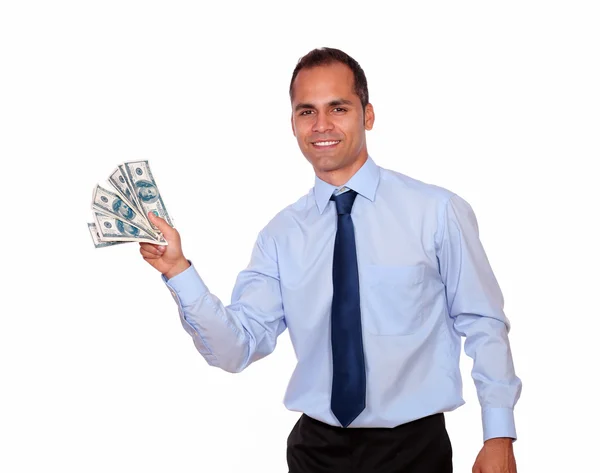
114,229
145,190
111,204
96,238
135,199
123,188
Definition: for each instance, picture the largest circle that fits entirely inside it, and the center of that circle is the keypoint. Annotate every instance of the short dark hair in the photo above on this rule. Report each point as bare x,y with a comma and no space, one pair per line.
327,56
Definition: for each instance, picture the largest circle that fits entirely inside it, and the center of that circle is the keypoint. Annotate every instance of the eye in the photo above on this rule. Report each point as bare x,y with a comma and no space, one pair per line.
339,109
305,112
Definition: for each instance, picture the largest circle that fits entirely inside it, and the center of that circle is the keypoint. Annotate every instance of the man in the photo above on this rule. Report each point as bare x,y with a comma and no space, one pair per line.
377,276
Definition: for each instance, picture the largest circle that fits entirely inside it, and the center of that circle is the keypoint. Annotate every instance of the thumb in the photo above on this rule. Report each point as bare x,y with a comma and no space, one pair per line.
161,224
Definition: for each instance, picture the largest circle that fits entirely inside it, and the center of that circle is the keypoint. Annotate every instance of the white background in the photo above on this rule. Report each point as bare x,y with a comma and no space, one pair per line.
497,102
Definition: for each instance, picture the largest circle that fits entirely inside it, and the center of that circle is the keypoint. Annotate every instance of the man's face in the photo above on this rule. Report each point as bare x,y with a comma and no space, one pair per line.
327,118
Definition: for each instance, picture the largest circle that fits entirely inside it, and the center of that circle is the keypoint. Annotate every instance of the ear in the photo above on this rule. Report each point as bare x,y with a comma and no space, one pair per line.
369,117
293,126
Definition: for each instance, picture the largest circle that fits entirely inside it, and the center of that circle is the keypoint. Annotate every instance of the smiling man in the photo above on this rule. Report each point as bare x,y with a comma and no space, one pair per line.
377,276
329,120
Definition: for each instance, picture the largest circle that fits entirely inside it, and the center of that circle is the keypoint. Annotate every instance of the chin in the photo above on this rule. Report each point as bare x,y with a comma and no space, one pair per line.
324,164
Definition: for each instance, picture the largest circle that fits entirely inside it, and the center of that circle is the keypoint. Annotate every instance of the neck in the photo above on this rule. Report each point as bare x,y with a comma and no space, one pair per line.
341,176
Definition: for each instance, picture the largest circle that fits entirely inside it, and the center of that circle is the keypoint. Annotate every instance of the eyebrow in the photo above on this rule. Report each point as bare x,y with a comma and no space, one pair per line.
333,103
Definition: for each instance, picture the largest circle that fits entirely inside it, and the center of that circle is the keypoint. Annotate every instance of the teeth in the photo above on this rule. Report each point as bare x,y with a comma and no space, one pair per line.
326,143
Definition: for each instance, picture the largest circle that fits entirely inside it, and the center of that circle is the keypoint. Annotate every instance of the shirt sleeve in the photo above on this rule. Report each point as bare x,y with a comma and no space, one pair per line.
476,305
234,336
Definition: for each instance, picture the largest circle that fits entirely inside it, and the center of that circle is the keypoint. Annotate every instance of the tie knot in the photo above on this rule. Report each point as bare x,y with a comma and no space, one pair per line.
344,201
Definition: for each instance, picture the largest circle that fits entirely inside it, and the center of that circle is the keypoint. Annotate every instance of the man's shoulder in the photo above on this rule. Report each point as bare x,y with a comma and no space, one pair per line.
401,182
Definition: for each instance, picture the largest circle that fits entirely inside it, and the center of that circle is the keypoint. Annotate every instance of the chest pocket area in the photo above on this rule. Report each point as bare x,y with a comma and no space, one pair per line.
393,298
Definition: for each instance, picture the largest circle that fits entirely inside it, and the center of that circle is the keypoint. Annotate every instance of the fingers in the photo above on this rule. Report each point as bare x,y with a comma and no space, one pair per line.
148,255
152,248
148,250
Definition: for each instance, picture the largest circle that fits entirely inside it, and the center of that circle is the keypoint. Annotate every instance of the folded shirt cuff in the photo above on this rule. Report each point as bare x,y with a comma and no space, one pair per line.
498,422
186,287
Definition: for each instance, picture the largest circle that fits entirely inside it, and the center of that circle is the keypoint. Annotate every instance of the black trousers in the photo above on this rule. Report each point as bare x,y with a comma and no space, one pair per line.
421,446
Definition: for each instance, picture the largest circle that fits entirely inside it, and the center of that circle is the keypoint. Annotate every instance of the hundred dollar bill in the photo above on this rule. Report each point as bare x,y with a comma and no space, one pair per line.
135,199
98,243
110,204
113,229
123,188
145,190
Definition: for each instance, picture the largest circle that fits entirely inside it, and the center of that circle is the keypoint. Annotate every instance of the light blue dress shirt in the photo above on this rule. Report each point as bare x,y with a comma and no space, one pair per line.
425,281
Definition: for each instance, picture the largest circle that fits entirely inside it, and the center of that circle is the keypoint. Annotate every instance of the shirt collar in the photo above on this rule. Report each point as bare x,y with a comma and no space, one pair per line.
364,182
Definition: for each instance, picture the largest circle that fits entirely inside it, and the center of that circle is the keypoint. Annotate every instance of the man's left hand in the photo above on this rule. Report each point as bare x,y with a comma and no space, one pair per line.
496,456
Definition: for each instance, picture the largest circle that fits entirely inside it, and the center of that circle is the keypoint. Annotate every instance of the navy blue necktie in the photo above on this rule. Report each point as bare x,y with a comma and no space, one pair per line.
349,377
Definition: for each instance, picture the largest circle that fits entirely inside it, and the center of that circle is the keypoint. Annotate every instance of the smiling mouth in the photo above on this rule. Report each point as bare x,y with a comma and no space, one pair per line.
325,144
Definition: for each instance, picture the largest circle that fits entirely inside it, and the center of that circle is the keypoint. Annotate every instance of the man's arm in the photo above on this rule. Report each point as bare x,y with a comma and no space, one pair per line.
229,337
476,304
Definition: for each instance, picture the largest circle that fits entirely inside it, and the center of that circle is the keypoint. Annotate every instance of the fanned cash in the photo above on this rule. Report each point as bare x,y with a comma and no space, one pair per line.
121,216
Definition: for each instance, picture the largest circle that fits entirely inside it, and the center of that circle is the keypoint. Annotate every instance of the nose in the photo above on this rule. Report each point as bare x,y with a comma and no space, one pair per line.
322,123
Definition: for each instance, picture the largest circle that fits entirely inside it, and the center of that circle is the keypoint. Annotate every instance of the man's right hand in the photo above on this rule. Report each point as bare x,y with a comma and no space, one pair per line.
168,259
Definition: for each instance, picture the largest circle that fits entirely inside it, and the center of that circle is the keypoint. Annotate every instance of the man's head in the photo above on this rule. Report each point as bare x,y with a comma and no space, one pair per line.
331,112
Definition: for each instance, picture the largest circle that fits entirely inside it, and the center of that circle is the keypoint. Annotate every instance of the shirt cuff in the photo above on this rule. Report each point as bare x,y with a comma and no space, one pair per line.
186,287
498,422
